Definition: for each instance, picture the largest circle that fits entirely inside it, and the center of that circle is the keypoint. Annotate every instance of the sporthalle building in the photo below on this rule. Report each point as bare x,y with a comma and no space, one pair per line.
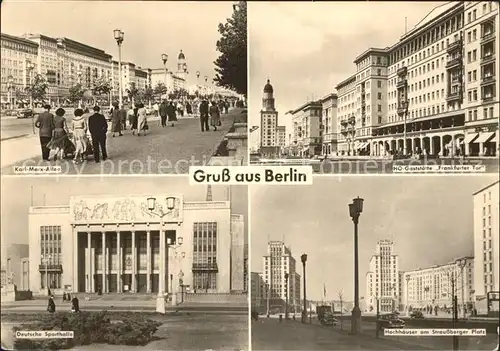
136,244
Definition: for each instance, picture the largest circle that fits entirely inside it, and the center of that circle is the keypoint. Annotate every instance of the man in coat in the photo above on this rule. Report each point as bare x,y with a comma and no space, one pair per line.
45,123
98,126
204,116
163,111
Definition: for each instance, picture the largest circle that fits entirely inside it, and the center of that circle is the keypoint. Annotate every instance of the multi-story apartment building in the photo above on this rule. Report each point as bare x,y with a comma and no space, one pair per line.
435,286
435,91
329,123
346,110
281,134
486,244
258,291
268,118
296,292
382,280
278,262
307,128
17,53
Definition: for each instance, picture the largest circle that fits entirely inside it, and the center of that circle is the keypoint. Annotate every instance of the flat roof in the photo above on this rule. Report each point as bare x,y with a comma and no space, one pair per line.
18,39
306,105
369,51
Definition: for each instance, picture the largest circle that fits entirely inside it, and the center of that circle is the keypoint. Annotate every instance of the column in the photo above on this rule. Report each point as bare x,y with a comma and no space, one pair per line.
75,260
88,274
134,264
412,145
452,148
431,145
119,265
148,263
103,281
481,148
441,144
161,278
466,146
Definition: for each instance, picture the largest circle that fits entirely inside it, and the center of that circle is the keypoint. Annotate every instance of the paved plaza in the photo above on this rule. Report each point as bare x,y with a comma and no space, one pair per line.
163,151
270,334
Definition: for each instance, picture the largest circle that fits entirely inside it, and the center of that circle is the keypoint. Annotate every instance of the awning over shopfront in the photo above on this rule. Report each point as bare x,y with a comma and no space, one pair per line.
484,137
470,137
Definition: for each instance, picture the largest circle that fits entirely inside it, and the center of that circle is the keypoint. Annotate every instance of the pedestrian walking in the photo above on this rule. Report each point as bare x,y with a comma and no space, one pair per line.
45,124
98,126
134,119
172,118
116,122
60,142
189,109
214,115
204,116
163,111
80,136
75,305
51,306
142,119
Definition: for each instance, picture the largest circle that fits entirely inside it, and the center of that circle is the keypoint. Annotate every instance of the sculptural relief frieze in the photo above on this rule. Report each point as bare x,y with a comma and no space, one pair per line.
123,210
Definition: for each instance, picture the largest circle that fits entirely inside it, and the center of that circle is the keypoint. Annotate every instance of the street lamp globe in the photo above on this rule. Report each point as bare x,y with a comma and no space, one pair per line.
303,258
206,78
170,202
117,33
197,74
164,58
151,203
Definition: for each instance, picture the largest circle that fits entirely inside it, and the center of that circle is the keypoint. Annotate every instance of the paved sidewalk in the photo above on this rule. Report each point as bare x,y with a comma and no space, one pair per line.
18,149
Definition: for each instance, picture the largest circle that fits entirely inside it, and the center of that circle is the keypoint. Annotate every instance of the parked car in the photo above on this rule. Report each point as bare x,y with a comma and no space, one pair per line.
416,314
390,320
25,113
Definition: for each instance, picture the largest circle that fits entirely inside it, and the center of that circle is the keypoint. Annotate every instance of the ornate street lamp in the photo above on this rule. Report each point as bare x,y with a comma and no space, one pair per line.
355,210
303,259
164,58
119,37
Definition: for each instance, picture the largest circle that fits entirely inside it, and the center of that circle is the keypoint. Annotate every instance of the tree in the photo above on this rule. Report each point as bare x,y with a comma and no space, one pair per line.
160,89
149,95
76,93
132,92
340,295
38,89
231,65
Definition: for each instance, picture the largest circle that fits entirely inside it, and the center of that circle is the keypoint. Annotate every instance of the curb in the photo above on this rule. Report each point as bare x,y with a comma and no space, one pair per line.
17,137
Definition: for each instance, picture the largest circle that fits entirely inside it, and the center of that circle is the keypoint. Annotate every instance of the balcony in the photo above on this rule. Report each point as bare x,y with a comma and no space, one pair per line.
488,37
487,80
50,268
489,58
313,141
402,83
363,103
454,62
454,96
205,267
352,120
488,98
402,71
456,45
401,110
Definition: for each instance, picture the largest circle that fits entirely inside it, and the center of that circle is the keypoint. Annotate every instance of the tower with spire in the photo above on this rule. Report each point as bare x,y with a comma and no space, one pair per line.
269,138
181,66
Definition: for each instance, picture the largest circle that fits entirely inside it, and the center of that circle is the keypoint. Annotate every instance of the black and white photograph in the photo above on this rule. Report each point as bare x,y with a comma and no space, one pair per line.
122,263
360,263
123,87
352,87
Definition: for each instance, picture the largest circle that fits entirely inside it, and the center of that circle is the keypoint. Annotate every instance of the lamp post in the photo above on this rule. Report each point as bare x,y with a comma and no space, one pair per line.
205,86
197,80
10,85
164,58
462,263
46,258
355,210
286,295
407,288
303,259
79,73
110,92
119,36
151,204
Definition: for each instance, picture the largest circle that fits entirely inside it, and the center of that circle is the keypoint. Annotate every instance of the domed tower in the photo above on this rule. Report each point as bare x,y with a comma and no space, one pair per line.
268,118
181,66
268,97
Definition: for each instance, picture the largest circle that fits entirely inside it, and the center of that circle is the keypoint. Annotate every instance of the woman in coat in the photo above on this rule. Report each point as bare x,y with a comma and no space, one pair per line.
116,122
214,115
142,123
172,118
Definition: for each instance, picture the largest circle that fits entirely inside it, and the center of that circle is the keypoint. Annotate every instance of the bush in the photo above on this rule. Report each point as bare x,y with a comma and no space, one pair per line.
222,149
89,328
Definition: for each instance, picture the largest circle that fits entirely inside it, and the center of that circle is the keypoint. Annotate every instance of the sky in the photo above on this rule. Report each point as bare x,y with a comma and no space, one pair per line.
16,196
151,28
307,48
429,218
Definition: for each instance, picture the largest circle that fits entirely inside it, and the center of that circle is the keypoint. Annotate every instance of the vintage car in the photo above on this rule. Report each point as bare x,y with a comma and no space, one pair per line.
390,320
328,319
416,314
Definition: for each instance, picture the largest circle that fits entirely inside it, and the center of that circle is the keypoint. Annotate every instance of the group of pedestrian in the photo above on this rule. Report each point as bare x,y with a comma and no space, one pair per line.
167,111
56,136
136,117
75,303
211,110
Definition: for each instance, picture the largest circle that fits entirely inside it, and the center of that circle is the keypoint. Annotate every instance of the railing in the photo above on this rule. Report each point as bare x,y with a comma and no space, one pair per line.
456,95
488,80
50,267
402,71
487,58
205,267
454,62
454,46
488,98
402,82
487,37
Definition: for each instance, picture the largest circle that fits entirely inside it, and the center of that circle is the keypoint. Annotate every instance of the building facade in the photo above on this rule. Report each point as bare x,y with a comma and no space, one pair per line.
486,244
258,292
16,266
17,53
73,247
307,129
382,280
268,118
278,262
329,123
435,286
